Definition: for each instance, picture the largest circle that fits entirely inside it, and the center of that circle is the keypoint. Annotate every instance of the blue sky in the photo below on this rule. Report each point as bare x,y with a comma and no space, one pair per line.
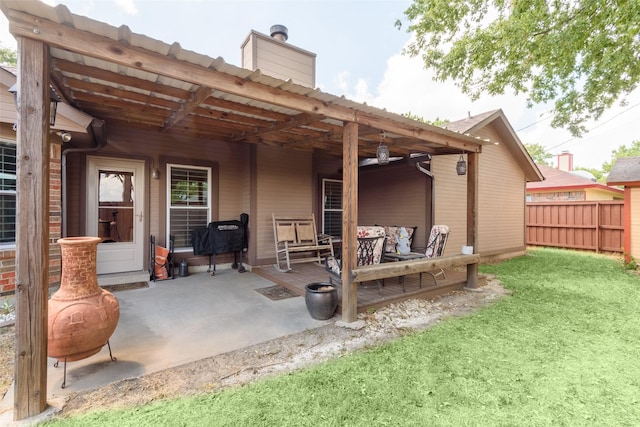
358,55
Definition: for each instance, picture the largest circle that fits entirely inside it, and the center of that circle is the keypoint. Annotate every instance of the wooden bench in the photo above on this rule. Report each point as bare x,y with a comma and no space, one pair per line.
297,235
415,266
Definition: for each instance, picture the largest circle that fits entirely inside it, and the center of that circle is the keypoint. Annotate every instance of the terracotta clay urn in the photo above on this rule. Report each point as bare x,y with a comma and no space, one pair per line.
82,315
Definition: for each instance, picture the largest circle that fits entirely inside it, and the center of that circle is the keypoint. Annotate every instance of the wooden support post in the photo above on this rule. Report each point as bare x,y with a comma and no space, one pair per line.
627,230
472,215
597,224
32,229
349,220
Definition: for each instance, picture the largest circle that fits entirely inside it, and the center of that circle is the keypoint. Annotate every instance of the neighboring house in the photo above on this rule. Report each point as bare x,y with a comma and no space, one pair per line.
565,184
626,172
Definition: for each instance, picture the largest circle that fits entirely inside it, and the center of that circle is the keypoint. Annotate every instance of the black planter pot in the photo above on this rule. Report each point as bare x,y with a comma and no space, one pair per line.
321,299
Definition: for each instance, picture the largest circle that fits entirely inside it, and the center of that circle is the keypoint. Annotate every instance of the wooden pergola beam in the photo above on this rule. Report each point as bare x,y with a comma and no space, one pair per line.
291,122
188,107
472,215
349,221
32,229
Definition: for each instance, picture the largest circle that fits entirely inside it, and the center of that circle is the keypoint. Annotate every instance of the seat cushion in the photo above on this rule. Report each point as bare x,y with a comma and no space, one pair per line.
393,234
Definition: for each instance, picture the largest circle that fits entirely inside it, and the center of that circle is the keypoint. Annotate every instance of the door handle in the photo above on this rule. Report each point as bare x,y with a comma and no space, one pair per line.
139,216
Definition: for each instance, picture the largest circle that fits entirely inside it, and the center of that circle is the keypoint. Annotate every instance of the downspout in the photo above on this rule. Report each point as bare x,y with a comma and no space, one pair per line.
430,175
99,136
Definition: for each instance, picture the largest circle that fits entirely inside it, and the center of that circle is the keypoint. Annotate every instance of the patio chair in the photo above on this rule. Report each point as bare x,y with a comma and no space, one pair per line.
297,241
371,241
435,248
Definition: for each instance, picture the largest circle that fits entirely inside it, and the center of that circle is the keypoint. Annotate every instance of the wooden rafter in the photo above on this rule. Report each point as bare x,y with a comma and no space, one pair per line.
291,122
188,107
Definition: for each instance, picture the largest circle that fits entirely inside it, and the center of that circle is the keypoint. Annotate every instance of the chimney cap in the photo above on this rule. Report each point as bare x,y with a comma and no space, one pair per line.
279,32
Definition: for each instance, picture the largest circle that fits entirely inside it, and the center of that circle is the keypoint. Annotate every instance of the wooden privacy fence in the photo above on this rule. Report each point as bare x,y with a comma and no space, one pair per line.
594,225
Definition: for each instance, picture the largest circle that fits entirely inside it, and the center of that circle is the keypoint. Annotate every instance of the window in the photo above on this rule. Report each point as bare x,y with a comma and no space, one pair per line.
189,202
7,193
332,207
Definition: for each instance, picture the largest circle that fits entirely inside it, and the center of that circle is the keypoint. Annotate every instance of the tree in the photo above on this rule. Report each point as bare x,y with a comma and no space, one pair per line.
8,56
600,177
622,151
582,55
437,122
539,154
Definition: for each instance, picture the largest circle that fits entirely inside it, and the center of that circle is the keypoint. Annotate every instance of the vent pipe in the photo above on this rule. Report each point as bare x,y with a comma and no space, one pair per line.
279,32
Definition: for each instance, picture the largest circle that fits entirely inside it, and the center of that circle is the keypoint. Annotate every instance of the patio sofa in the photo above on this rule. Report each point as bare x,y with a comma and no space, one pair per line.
392,234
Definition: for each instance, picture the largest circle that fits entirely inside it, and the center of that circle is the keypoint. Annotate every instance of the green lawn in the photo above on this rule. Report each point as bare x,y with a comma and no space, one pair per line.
562,350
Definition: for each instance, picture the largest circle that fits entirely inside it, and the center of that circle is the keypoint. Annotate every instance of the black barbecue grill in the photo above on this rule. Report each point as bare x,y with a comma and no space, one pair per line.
222,237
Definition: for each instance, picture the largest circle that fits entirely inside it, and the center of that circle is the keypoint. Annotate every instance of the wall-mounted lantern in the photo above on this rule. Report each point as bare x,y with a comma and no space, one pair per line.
53,97
461,166
382,154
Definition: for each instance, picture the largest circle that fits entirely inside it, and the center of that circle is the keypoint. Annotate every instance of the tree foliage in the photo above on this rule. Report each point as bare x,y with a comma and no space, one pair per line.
582,55
539,154
622,151
437,122
600,177
8,56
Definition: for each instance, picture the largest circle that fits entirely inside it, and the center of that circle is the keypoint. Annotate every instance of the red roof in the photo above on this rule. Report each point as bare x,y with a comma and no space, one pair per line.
556,179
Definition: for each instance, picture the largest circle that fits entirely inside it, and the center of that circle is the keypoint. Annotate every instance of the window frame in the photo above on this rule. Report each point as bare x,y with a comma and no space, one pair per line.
325,209
170,206
12,244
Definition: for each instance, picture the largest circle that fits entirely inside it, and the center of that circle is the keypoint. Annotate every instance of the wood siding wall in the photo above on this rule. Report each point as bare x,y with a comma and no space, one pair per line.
501,200
594,225
284,186
230,163
450,198
397,194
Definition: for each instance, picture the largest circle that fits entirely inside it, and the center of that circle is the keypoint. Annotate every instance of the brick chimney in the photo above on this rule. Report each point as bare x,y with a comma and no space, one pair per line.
275,57
565,161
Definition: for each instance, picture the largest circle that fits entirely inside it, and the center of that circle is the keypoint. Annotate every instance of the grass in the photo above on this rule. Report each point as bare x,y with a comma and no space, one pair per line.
562,350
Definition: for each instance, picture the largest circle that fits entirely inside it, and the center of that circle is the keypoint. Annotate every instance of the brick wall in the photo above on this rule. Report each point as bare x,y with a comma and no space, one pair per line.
8,256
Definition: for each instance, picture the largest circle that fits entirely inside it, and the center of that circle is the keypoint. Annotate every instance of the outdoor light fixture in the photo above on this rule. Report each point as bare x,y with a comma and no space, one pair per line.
53,97
155,173
64,136
461,166
383,153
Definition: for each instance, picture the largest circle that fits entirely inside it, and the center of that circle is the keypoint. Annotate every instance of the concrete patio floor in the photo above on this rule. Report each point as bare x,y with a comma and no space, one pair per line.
173,322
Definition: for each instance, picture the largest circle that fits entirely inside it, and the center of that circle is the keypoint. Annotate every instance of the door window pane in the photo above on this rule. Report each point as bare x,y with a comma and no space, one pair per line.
115,206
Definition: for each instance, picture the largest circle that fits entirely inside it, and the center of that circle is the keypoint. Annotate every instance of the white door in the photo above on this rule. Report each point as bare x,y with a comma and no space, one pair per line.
115,194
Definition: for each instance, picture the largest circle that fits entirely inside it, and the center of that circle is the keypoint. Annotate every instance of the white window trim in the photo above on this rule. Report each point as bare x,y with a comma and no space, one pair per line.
10,245
324,180
168,190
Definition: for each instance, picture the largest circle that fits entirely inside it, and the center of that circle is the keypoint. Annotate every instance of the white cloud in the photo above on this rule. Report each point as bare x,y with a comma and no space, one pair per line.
408,87
127,6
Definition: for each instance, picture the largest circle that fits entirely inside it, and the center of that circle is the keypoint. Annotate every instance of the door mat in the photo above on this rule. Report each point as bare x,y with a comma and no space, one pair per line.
276,293
125,286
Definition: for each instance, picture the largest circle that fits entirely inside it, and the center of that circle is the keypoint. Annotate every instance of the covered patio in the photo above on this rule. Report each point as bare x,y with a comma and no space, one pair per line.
139,84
